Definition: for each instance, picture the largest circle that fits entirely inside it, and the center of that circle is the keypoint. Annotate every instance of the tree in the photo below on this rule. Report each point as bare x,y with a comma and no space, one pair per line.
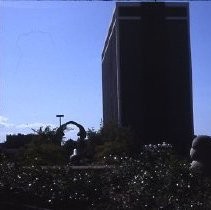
43,149
111,139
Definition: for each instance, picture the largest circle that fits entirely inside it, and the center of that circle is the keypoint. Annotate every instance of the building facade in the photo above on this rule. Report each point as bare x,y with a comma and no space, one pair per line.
146,72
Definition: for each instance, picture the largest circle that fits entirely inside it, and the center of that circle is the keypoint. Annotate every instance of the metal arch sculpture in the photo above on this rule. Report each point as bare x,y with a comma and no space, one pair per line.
63,127
60,131
80,151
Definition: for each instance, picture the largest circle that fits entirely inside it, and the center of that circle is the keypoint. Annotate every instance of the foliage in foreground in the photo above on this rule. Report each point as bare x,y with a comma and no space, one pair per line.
158,179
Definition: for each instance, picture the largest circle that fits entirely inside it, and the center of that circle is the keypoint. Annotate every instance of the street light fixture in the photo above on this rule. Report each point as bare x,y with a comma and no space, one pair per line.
60,121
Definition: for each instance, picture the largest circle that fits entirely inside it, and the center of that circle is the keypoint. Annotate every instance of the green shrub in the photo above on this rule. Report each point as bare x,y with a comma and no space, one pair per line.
157,179
111,139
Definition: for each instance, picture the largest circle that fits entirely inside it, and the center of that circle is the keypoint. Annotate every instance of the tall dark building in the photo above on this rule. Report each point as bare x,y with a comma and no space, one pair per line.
146,72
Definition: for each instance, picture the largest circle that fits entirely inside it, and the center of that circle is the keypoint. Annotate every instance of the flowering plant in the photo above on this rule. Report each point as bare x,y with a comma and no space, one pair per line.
156,179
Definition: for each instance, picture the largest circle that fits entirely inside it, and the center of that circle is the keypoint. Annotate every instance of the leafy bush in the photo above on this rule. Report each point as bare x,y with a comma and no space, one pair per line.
42,150
157,179
111,139
44,154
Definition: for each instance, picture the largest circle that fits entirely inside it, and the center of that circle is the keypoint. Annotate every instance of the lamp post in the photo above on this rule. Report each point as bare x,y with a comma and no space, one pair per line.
60,121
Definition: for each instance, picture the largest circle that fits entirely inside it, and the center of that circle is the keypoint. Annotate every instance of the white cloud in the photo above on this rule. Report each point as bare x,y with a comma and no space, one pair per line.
34,125
4,122
3,119
26,128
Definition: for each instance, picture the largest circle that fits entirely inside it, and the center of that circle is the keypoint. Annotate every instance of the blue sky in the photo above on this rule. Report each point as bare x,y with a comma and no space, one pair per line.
50,63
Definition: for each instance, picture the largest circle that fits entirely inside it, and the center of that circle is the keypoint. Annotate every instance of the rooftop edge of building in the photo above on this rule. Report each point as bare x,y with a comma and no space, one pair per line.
136,4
